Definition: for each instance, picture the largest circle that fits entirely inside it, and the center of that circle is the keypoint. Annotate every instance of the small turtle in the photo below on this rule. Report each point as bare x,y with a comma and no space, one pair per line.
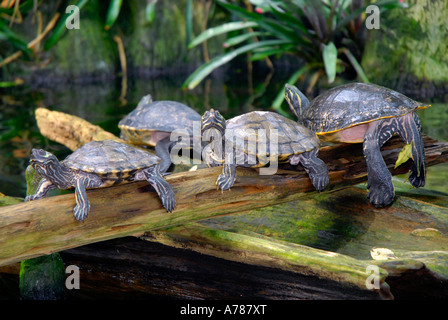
98,164
367,113
151,124
245,145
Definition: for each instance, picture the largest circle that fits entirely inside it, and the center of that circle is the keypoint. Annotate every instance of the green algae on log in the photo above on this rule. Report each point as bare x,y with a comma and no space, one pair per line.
331,236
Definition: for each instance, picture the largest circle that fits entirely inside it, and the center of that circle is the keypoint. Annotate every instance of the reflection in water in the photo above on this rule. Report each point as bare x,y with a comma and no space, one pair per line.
101,104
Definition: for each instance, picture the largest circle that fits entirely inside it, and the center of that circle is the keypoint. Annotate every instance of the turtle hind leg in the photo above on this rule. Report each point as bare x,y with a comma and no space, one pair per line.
379,178
409,131
160,185
316,169
162,149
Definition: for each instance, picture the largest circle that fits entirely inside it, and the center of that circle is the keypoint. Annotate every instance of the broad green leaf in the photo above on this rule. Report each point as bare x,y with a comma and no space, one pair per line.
275,27
112,13
241,38
150,11
291,21
404,155
203,71
355,64
224,28
58,31
330,57
14,39
269,51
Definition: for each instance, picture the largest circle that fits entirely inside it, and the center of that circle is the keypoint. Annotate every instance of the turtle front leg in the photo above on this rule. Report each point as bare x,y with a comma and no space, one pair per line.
409,130
82,207
226,180
316,169
42,190
379,178
160,185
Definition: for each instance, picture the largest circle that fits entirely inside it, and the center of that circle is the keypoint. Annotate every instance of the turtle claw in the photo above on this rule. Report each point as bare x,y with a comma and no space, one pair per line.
319,181
416,180
381,195
225,182
30,198
81,212
168,201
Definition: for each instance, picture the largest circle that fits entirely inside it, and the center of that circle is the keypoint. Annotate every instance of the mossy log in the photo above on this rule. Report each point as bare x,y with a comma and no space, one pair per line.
45,226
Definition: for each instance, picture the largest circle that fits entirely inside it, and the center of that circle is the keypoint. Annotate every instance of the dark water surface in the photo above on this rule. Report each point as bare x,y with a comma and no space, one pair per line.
104,104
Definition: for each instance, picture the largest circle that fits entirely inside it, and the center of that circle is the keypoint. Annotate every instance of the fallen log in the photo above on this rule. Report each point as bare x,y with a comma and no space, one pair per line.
45,226
69,130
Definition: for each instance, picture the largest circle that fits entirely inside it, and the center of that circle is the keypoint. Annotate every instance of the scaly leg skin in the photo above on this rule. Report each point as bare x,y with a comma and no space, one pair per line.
316,169
160,185
42,190
409,130
379,179
82,207
162,149
226,180
84,181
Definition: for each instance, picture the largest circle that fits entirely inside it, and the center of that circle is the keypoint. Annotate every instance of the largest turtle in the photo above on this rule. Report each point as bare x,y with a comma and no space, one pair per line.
368,114
151,123
98,164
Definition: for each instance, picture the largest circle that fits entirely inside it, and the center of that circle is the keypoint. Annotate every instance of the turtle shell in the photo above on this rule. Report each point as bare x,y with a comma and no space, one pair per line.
159,116
292,138
353,104
108,157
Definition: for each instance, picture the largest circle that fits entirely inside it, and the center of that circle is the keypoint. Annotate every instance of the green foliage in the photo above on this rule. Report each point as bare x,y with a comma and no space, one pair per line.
112,13
60,28
16,41
326,34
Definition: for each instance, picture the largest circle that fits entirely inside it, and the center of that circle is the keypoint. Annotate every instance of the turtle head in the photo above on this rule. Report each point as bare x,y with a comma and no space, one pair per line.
212,119
296,99
144,101
42,161
213,129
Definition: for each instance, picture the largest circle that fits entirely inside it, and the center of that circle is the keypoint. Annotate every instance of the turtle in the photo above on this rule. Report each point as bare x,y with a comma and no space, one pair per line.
370,114
152,122
98,164
294,143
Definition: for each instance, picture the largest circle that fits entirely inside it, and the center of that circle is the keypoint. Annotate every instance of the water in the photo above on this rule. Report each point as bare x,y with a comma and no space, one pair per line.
105,104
